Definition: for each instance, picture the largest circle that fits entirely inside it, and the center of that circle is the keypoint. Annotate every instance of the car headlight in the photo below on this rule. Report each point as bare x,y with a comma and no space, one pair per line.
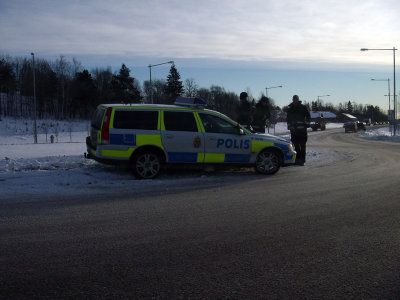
291,147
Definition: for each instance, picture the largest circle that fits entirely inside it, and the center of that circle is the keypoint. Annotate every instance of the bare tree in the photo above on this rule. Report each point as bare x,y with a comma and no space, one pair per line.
76,66
190,88
102,80
63,70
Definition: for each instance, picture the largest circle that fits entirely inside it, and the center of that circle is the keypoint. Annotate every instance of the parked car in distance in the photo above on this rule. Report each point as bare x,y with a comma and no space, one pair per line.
353,126
350,126
360,125
318,125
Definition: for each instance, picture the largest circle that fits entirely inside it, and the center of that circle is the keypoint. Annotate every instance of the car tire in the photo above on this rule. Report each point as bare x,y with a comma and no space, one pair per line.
146,165
267,162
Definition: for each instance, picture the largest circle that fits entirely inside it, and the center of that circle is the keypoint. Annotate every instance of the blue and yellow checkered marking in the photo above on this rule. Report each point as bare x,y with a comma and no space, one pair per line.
190,157
182,157
237,158
123,139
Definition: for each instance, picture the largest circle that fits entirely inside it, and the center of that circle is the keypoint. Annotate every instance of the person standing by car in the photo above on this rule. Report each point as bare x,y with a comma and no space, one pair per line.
244,110
298,120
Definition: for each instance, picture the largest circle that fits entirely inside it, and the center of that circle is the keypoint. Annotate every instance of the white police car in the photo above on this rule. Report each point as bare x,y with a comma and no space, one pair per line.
146,136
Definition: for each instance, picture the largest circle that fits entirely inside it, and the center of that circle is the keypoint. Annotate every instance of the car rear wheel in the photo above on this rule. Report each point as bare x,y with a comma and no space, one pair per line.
146,165
267,162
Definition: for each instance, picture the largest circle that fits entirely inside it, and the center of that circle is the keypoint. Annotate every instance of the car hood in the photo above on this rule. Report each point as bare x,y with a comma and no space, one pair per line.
270,137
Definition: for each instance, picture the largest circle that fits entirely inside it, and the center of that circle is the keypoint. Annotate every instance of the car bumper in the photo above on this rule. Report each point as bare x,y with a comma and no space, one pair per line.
290,158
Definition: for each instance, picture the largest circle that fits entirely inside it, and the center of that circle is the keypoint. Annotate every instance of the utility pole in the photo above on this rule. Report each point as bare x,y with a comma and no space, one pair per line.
34,100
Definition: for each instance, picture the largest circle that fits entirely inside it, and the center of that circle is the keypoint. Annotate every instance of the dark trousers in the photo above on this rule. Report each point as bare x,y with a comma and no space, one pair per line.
299,140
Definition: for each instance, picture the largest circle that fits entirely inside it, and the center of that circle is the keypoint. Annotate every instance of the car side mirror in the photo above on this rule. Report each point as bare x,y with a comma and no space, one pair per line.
240,131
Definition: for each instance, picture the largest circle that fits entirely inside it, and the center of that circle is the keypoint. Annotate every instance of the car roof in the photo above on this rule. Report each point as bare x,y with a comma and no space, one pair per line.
163,106
137,105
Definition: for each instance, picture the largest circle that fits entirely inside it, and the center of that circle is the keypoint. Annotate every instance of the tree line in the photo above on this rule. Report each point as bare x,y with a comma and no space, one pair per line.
65,90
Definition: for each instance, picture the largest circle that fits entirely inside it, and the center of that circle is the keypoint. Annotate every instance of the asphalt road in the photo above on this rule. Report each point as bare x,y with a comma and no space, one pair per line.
328,230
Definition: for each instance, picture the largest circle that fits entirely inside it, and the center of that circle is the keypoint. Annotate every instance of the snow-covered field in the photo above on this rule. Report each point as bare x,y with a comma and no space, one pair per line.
60,167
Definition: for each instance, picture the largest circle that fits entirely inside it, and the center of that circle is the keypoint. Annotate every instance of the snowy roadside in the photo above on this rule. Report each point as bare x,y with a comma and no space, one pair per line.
381,134
60,168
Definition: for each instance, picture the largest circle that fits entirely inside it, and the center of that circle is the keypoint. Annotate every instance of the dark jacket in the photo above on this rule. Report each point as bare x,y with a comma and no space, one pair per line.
244,111
298,117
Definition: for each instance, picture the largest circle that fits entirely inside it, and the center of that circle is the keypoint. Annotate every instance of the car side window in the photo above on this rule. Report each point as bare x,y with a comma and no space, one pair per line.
136,119
179,121
215,124
98,118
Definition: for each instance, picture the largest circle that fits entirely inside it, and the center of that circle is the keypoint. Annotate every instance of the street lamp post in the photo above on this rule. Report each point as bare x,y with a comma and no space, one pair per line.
394,74
150,66
388,80
392,127
34,100
272,87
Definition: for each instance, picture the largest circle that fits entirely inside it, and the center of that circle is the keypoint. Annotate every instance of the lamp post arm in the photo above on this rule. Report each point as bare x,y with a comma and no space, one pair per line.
367,49
150,66
272,87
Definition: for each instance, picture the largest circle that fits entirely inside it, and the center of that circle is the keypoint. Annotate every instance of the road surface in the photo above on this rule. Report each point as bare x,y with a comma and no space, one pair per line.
329,229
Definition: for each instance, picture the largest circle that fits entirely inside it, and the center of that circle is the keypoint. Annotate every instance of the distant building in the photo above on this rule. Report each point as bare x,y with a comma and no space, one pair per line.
327,115
347,117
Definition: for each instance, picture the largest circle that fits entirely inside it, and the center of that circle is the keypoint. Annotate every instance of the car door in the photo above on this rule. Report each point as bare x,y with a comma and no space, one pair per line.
223,141
181,137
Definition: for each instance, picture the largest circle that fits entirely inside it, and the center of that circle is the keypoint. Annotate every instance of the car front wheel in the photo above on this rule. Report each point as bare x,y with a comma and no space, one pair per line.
267,162
146,165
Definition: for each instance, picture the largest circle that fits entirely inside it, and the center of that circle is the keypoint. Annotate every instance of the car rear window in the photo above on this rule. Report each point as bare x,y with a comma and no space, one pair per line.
136,119
97,118
179,121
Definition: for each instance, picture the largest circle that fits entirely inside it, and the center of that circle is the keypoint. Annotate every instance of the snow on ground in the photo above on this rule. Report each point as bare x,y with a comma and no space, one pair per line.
381,134
60,167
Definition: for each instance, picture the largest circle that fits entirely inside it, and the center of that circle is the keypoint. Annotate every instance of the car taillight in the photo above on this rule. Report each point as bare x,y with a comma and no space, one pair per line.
105,129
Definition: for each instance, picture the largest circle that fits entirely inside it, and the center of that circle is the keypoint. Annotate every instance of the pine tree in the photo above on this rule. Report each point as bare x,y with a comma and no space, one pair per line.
7,77
174,86
83,94
124,88
349,107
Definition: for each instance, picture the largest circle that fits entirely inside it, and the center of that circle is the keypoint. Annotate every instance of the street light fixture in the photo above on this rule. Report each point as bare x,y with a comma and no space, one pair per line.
394,73
272,87
322,96
388,80
35,138
150,66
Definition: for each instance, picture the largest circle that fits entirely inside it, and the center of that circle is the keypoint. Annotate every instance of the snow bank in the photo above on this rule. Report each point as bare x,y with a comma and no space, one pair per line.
381,134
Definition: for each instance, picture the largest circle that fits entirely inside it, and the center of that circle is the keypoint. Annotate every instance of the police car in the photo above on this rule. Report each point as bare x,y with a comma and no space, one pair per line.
146,136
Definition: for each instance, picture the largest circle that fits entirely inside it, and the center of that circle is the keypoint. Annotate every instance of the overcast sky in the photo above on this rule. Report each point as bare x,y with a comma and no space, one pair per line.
321,35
